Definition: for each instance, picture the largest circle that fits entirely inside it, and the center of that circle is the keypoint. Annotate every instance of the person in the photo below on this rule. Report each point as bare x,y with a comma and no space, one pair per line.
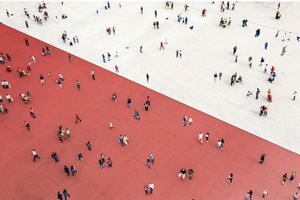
35,155
78,84
27,125
73,170
114,97
109,162
42,79
191,173
141,49
234,50
137,115
66,194
151,187
295,196
294,95
207,137
89,145
200,137
230,178
182,173
80,156
257,93
54,156
257,32
147,77
111,126
284,178
92,74
129,103
32,114
125,140
67,171
293,175
262,158
142,10
219,145
77,119
265,193
59,196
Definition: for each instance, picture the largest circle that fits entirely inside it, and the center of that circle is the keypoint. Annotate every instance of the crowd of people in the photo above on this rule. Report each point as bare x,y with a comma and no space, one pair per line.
64,134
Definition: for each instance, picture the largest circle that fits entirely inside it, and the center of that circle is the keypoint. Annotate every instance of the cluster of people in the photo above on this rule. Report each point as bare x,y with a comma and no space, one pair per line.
63,134
123,140
234,79
183,171
169,4
46,51
182,19
102,161
110,30
156,24
26,98
72,169
185,120
224,22
263,111
4,59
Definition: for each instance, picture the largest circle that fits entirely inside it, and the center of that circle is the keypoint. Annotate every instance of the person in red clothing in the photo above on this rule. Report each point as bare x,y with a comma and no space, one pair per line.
272,69
269,98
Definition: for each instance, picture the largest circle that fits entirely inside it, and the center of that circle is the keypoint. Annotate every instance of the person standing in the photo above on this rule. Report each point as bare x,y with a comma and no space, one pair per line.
200,137
147,77
262,158
257,93
141,49
294,95
92,74
207,137
155,13
26,42
73,170
59,196
117,68
26,24
35,155
230,178
234,50
266,45
190,121
142,10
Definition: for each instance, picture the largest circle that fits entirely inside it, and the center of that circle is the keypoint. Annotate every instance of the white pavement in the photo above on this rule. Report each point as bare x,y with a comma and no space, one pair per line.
207,49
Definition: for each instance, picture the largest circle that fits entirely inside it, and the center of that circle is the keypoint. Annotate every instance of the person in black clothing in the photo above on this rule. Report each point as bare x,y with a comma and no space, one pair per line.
66,169
129,103
262,158
77,119
59,196
8,57
26,42
54,156
89,145
27,125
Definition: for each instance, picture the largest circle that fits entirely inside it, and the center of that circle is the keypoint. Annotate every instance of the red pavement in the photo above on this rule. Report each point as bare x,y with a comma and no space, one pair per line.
160,132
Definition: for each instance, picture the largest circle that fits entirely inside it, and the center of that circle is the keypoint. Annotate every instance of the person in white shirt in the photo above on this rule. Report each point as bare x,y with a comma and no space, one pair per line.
200,137
9,98
190,121
1,100
151,187
35,155
33,59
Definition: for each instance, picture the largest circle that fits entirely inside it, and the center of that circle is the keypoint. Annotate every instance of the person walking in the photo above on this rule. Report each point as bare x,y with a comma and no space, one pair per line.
27,125
67,171
59,196
32,114
147,77
77,119
257,93
35,155
77,83
66,194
